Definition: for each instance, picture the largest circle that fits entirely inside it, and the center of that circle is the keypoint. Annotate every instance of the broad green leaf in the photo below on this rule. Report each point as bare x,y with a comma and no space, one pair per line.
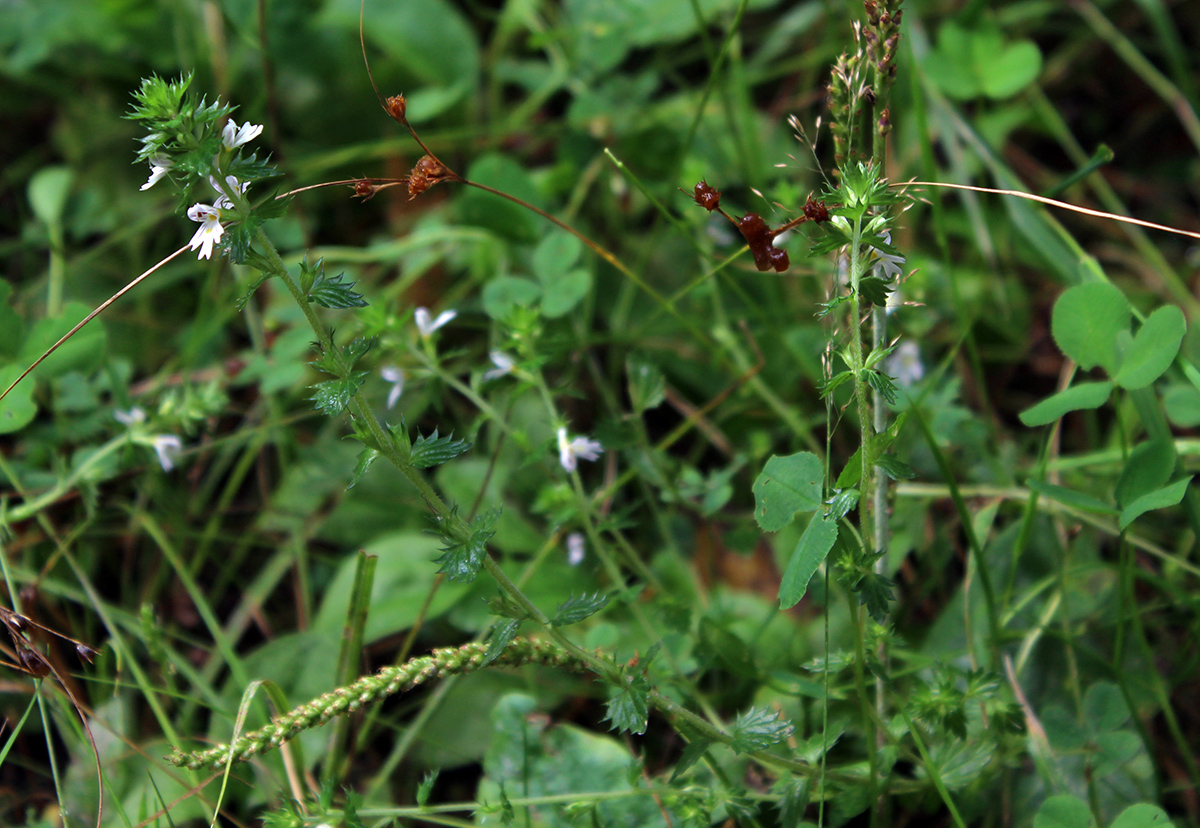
1008,69
810,552
496,213
1064,811
48,191
504,293
18,409
555,255
1104,707
1166,496
787,485
1142,815
1084,395
403,581
561,294
82,352
1149,466
1086,321
1154,348
502,636
1070,497
1182,404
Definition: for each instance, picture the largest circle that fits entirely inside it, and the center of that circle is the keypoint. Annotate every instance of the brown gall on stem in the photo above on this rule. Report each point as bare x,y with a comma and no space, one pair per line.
707,196
759,236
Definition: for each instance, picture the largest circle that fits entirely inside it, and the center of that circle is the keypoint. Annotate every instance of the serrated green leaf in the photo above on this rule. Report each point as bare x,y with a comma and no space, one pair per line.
1154,348
810,552
759,728
578,607
826,387
1085,395
794,794
358,348
874,290
629,707
254,259
875,591
787,485
841,504
333,292
895,468
433,450
501,637
1086,321
462,560
1164,497
365,458
332,397
882,384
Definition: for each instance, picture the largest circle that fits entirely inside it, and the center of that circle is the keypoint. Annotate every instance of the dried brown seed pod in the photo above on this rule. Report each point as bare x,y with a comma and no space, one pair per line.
397,107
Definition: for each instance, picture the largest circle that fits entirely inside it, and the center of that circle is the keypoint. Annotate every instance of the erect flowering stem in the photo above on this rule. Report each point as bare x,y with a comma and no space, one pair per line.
858,265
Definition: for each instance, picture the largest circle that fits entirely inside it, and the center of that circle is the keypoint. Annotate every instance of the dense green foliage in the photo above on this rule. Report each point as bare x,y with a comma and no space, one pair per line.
597,504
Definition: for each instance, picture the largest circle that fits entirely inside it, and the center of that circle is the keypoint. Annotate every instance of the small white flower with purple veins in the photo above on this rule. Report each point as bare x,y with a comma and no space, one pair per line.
396,377
891,266
233,136
504,365
427,326
576,548
210,231
905,364
168,447
570,452
159,166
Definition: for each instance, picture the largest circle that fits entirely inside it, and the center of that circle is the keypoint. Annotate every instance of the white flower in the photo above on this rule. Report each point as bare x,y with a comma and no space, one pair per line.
232,183
233,136
427,327
210,231
396,377
504,365
575,548
159,165
131,417
890,265
905,364
571,451
168,447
